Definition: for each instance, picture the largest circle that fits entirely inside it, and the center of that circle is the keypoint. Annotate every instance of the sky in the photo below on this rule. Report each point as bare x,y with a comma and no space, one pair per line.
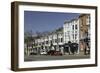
36,21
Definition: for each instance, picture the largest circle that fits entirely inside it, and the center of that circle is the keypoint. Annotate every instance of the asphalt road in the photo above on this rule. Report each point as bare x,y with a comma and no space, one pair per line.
48,57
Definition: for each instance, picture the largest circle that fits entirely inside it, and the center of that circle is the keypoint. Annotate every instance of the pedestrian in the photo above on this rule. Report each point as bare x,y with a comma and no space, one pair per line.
85,50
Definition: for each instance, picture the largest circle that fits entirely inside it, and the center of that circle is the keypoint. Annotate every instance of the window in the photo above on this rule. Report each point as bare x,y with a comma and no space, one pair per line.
75,36
61,39
51,41
55,40
58,39
73,27
46,42
75,31
76,26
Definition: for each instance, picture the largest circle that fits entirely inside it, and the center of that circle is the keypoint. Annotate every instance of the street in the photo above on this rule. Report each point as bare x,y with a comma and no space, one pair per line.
48,57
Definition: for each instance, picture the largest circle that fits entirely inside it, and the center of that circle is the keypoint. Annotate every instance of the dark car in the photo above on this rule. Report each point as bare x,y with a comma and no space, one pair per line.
54,53
51,52
58,53
33,53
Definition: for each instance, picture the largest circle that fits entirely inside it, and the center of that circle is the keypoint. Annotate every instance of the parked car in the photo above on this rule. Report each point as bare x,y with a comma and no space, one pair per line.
51,52
33,53
54,53
58,53
43,53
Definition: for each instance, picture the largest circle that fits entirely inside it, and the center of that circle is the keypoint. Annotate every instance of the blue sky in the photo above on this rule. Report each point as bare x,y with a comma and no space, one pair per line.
45,21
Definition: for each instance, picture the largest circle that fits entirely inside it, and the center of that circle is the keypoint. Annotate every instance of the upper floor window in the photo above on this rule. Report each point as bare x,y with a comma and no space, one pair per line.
75,26
46,42
56,41
75,36
61,39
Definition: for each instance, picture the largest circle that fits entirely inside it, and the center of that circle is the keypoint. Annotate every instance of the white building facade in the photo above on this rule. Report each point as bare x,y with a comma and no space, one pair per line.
71,31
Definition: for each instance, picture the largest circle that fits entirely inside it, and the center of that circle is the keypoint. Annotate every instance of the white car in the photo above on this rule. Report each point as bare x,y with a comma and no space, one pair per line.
43,52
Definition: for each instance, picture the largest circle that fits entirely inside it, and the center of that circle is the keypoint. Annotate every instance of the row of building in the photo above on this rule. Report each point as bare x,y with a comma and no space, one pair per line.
76,30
